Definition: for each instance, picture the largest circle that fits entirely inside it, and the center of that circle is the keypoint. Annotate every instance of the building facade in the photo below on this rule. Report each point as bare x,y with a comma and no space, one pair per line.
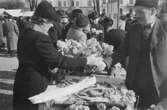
68,5
88,4
126,5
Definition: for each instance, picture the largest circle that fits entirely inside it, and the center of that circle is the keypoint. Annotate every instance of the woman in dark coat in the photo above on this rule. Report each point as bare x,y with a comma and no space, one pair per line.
35,53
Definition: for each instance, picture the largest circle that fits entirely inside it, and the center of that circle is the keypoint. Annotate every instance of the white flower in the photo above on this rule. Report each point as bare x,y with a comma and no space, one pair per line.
124,91
61,44
118,65
115,108
108,49
128,96
116,98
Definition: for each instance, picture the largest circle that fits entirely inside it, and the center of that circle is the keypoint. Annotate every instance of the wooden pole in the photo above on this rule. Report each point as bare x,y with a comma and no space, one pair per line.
118,14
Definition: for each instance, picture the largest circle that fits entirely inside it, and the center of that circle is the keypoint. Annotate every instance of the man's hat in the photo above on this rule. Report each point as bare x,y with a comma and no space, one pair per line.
47,11
147,3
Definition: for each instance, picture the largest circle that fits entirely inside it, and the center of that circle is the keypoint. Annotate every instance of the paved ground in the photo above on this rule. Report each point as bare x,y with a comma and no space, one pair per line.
8,66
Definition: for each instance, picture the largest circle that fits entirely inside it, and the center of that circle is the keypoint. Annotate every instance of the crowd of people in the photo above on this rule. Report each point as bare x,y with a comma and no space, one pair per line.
66,26
139,45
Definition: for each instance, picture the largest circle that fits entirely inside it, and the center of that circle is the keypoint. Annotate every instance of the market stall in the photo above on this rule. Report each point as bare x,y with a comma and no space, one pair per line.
88,90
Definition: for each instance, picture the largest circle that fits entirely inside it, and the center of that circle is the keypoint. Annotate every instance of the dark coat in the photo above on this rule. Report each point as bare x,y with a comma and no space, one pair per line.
60,31
35,53
158,56
114,37
97,26
147,68
1,34
1,29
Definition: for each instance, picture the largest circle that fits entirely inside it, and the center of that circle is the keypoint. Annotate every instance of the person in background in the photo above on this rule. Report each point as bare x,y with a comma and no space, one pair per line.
55,32
74,14
58,31
61,25
76,31
64,24
129,19
94,18
121,12
72,19
112,36
11,32
163,10
107,24
23,23
2,43
36,53
122,23
103,14
96,28
86,30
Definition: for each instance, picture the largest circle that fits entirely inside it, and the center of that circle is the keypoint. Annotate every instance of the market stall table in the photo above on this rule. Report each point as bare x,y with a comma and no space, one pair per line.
100,78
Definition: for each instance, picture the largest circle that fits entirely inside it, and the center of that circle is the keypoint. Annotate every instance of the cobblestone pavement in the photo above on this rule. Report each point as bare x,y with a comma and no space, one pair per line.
8,66
8,63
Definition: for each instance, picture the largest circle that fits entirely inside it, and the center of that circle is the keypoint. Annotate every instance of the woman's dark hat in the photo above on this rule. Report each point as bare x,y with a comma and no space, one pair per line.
82,21
47,11
147,3
107,21
75,13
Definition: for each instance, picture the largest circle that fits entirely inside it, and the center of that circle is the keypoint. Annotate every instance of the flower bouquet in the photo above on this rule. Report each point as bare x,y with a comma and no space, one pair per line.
91,47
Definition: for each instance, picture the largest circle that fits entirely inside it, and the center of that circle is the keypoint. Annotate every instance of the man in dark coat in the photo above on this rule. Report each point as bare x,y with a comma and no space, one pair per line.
11,32
36,52
146,47
129,19
2,43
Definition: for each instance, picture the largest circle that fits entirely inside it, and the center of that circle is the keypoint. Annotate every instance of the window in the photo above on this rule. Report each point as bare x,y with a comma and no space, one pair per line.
72,3
89,3
77,3
59,3
131,1
65,4
105,1
121,1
